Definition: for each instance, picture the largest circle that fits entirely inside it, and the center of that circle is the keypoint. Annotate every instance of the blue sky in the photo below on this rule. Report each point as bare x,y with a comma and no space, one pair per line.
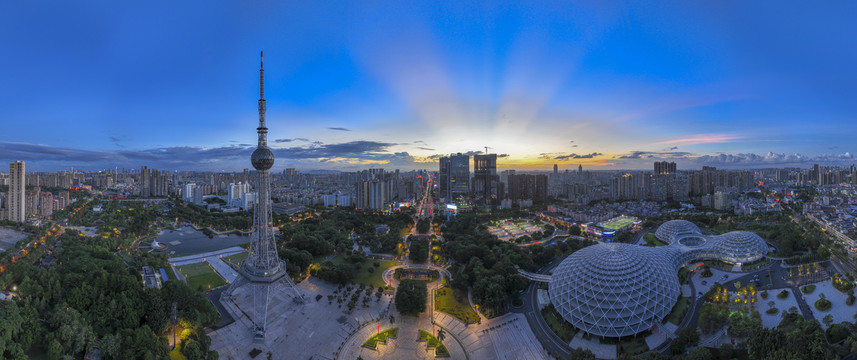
96,85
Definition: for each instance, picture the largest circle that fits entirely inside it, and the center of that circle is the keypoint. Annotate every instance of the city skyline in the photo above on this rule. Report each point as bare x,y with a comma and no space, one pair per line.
397,87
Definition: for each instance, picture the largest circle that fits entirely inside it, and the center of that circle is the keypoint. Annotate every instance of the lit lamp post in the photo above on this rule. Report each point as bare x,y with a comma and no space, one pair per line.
174,319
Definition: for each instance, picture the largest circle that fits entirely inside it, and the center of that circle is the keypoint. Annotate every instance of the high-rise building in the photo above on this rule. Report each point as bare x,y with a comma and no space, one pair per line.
16,203
454,175
145,182
528,187
555,169
665,167
375,194
486,183
187,192
580,168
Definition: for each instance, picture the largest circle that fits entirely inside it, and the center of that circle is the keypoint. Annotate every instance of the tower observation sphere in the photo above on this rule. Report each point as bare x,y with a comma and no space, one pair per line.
262,159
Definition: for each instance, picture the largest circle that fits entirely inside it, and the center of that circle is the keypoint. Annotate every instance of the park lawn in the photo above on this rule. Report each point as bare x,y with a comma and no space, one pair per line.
454,302
679,311
201,276
200,268
175,354
652,240
363,276
381,337
236,258
205,282
374,279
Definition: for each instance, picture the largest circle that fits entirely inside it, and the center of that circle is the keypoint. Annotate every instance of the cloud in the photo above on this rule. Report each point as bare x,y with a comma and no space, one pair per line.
772,158
654,155
578,156
419,142
339,129
115,140
425,148
233,156
290,140
702,139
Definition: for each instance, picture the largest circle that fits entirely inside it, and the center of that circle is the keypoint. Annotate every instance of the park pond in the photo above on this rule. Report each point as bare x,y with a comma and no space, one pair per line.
9,237
186,241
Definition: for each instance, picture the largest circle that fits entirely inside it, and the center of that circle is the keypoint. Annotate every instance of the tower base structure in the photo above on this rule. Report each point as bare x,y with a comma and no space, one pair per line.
261,289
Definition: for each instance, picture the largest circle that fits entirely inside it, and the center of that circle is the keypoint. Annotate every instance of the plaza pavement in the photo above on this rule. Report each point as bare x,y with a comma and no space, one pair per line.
772,321
295,331
504,337
840,311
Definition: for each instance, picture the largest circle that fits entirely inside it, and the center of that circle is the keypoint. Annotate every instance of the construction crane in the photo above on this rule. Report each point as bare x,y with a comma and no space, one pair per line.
486,149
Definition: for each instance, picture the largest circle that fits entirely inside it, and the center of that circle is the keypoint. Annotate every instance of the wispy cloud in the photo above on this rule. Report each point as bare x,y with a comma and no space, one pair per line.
291,140
425,148
772,158
578,156
115,141
701,139
339,129
654,155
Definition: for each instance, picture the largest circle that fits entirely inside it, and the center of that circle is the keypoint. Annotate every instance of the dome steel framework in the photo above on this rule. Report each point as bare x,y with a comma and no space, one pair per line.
615,290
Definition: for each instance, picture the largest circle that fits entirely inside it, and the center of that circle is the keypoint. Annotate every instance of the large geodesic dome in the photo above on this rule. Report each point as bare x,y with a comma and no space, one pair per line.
673,230
614,289
740,247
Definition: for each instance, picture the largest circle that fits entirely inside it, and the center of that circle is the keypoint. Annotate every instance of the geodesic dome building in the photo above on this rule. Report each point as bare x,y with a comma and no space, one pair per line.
673,230
740,247
614,289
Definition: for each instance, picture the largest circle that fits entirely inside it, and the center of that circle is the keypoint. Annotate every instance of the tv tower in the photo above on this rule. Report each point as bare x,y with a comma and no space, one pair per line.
263,270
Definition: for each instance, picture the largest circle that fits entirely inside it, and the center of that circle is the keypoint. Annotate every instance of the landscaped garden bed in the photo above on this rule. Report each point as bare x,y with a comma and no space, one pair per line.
432,342
381,337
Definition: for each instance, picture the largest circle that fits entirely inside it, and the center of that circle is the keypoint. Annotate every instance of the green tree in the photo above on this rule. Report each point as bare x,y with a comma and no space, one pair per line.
699,353
419,249
55,349
827,320
582,354
11,324
726,351
411,297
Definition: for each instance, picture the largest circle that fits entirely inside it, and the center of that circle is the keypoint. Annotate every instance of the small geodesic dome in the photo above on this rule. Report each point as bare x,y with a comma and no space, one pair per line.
673,230
614,289
740,247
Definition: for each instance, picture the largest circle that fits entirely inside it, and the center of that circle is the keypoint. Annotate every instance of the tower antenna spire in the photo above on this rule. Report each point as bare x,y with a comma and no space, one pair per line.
262,130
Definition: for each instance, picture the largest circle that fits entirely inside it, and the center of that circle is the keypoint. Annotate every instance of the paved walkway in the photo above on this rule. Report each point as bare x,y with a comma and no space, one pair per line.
191,259
224,270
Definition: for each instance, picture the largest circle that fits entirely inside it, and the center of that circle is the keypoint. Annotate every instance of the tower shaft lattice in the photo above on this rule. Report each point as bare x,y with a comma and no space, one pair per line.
263,269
